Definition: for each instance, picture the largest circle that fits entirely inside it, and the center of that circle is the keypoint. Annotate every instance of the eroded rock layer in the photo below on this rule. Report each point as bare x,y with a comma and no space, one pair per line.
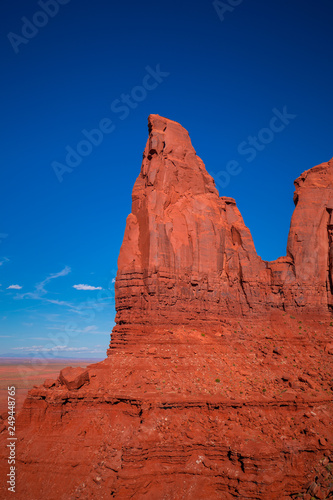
187,256
310,242
218,382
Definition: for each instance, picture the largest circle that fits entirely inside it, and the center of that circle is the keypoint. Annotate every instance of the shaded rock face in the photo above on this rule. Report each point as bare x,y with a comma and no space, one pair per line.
188,257
310,242
218,381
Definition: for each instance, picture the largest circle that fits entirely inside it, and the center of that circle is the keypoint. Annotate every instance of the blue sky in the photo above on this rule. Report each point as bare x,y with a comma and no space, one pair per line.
70,67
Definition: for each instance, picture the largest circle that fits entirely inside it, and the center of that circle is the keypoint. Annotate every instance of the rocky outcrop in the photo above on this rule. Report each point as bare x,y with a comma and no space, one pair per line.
310,244
218,381
73,378
187,256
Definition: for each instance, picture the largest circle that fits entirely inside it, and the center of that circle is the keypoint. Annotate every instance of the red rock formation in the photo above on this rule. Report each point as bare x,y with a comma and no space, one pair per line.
187,256
73,378
218,381
309,243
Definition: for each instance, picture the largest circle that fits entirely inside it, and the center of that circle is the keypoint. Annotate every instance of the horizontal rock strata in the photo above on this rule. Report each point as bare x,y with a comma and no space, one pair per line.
218,381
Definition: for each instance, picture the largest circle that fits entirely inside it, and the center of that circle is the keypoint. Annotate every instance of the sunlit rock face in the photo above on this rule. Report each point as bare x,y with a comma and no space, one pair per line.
187,256
218,380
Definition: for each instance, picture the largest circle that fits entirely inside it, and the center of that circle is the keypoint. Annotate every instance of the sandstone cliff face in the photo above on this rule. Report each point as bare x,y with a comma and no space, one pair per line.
310,239
218,381
188,257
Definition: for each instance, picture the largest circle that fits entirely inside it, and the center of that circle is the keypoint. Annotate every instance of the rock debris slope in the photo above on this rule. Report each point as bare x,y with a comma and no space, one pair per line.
218,381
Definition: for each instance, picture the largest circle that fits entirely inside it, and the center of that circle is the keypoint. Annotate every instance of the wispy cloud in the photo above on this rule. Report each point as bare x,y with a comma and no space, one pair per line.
36,338
40,290
57,348
60,303
14,287
87,287
89,328
81,309
92,329
3,260
40,293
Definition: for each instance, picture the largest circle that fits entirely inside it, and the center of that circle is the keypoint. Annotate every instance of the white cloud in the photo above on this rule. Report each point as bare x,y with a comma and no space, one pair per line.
89,328
56,348
87,287
64,272
81,309
14,287
60,302
39,288
3,260
92,329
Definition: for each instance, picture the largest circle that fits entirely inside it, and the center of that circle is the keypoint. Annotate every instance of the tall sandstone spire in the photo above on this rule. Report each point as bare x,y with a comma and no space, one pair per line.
218,380
187,256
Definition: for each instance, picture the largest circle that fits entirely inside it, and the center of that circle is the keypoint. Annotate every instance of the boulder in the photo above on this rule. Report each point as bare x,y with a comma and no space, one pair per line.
74,378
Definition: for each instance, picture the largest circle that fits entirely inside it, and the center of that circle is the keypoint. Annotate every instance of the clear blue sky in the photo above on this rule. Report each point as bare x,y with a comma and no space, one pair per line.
220,74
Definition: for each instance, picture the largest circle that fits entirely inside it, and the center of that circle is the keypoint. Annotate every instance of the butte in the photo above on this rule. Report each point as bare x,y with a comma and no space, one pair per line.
218,378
